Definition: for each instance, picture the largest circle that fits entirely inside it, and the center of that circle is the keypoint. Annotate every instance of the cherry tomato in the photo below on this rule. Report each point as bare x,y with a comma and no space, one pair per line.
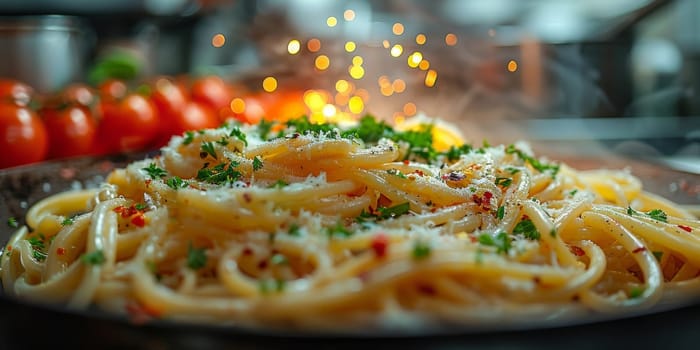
79,93
71,131
23,137
284,105
15,91
195,116
129,124
114,89
211,90
246,109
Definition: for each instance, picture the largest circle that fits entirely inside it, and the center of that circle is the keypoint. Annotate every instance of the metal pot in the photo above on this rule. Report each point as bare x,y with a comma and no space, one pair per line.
44,51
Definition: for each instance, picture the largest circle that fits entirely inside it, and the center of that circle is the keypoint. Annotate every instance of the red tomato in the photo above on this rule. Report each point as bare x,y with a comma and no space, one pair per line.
247,109
129,124
113,89
71,131
284,105
211,90
79,93
15,91
169,100
23,137
193,116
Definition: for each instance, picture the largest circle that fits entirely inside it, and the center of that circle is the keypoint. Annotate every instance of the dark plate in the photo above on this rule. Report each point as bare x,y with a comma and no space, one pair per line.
24,324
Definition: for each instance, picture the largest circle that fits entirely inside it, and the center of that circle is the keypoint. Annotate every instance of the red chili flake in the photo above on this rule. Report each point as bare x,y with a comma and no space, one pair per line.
148,182
139,313
119,209
685,228
640,249
577,251
406,162
484,201
139,220
60,251
247,197
380,243
426,289
247,251
419,172
262,264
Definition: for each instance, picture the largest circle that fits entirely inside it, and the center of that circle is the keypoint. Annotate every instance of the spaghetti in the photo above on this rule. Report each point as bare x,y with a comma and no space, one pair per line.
309,226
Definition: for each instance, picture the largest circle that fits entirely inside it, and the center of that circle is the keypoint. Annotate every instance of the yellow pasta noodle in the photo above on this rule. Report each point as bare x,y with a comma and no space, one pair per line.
340,228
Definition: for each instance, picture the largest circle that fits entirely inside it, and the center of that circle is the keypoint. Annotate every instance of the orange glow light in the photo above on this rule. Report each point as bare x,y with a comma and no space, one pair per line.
349,15
314,45
424,65
315,100
451,39
238,105
269,84
399,86
218,40
397,29
430,78
322,62
409,109
342,86
420,39
512,66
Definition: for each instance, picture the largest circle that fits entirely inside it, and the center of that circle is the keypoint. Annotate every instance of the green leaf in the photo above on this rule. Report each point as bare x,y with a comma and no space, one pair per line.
207,147
502,241
500,212
421,250
394,211
196,257
657,214
528,229
189,137
257,163
155,172
95,258
12,222
176,183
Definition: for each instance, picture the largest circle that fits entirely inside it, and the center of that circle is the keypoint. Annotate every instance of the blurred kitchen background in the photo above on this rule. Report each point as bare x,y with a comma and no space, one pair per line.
612,75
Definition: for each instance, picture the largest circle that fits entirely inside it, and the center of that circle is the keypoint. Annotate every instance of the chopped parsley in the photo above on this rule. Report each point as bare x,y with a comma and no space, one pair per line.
154,171
223,141
279,184
421,250
140,206
270,285
38,247
502,241
303,125
189,137
257,163
573,192
503,181
237,133
68,221
12,222
512,170
279,259
636,292
338,230
95,258
394,211
454,153
657,214
176,182
264,128
658,255
207,149
500,212
196,257
219,174
535,163
396,172
527,229
294,230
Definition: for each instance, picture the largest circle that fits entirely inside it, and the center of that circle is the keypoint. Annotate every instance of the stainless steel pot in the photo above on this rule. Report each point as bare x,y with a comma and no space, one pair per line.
45,51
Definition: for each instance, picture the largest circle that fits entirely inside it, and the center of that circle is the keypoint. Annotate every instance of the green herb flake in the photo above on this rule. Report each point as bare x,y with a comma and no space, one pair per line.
527,228
631,211
155,172
189,137
338,230
658,255
196,257
257,163
396,172
636,292
279,184
94,258
271,285
500,212
553,232
68,221
294,230
394,211
535,163
421,250
502,241
140,206
264,128
12,222
573,192
219,174
176,183
658,215
279,259
208,149
237,133
503,181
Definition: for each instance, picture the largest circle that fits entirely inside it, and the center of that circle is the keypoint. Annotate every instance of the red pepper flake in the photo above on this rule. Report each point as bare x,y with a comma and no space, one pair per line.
119,209
426,289
148,182
380,243
139,313
483,201
61,251
419,172
139,220
262,265
640,249
577,251
406,162
247,251
247,197
685,228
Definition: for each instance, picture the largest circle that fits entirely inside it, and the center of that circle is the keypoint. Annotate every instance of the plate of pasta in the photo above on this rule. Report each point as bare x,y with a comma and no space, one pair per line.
349,229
